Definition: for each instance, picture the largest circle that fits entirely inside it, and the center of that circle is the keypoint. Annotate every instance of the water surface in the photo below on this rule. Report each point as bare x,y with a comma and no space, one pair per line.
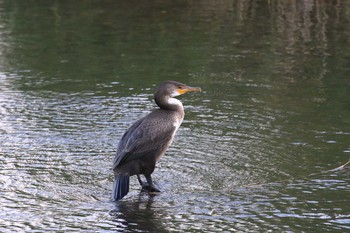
254,145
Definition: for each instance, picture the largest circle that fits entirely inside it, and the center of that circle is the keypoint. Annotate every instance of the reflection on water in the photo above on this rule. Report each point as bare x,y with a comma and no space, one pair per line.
138,215
74,76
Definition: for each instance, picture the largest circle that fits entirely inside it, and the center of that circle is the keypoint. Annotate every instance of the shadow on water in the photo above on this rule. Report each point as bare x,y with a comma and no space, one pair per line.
138,215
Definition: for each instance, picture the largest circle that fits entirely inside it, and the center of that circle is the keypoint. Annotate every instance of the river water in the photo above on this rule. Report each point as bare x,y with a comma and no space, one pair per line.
253,152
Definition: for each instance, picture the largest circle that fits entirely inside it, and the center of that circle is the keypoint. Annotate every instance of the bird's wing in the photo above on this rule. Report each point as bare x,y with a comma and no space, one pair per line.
143,137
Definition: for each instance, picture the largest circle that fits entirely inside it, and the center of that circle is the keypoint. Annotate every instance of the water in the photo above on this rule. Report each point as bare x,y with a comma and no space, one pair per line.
254,145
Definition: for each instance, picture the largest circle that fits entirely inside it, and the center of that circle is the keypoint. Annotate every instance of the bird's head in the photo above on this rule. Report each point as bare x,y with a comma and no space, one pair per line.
173,88
169,89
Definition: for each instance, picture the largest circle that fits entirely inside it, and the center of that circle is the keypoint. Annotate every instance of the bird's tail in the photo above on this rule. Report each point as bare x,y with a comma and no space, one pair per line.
120,187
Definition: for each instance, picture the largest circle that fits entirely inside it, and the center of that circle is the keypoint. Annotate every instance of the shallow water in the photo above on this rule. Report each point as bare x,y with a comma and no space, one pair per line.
253,149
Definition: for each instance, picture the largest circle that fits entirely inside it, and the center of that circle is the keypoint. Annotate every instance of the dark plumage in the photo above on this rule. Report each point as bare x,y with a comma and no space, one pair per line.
148,138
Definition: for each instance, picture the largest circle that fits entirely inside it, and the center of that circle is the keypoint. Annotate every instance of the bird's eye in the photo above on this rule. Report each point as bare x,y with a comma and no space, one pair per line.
181,87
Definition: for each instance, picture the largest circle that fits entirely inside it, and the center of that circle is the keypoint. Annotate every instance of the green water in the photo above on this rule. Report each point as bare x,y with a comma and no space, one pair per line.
252,152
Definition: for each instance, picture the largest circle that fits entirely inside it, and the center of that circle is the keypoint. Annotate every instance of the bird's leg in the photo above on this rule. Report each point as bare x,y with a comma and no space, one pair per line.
150,187
147,186
143,184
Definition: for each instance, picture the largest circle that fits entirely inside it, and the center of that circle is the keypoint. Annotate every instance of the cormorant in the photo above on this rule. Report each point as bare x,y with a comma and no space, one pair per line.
147,139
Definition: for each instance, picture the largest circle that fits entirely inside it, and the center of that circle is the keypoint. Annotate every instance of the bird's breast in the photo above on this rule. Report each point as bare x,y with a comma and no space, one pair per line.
177,122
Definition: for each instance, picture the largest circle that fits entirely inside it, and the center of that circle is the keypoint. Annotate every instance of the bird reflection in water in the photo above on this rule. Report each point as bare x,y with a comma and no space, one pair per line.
138,215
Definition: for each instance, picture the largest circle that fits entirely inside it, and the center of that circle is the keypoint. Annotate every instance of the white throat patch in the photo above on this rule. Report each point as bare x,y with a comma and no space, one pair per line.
175,93
173,101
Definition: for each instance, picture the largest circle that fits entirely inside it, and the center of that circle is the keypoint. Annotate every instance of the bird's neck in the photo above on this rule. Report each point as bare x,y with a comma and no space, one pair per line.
170,103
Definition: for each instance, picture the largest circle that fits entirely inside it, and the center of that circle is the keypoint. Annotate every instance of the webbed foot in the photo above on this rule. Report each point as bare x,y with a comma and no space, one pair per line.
150,188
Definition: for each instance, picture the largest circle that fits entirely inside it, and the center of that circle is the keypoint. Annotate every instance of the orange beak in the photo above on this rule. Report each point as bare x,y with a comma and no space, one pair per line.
186,89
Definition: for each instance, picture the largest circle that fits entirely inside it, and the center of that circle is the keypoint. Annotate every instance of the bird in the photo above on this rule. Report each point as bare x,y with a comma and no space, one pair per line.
142,145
